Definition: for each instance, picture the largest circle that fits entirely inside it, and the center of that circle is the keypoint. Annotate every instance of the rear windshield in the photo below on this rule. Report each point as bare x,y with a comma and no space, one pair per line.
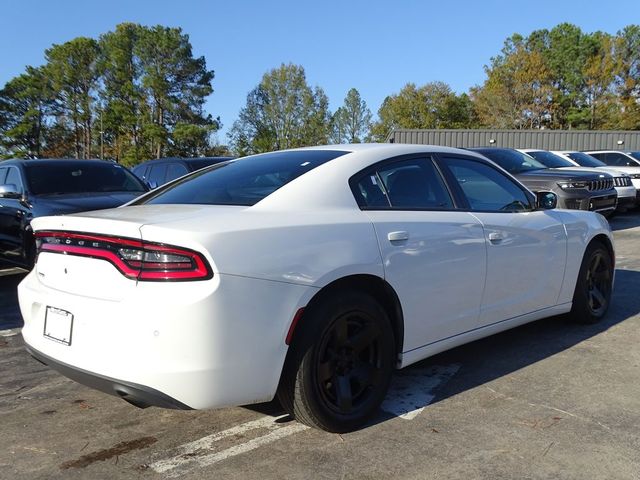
60,178
585,160
245,181
550,160
512,161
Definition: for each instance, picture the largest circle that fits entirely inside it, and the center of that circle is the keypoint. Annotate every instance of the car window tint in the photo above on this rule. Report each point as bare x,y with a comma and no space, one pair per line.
68,177
3,175
175,170
13,177
486,188
140,170
408,184
242,182
157,174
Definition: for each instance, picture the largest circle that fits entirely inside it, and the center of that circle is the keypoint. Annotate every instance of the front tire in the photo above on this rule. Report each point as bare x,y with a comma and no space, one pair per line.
340,366
592,295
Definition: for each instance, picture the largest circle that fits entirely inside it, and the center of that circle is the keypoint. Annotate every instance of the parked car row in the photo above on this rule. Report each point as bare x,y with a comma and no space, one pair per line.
580,180
311,274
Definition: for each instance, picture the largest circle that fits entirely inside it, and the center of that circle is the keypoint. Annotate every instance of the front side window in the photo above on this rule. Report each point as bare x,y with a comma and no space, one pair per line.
487,189
3,175
13,178
241,182
408,184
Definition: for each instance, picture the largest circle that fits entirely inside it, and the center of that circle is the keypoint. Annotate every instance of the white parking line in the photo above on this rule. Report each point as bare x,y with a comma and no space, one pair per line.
11,332
411,391
202,452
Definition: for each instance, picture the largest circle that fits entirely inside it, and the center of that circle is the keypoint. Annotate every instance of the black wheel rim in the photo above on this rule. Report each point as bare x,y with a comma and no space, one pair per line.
598,283
348,363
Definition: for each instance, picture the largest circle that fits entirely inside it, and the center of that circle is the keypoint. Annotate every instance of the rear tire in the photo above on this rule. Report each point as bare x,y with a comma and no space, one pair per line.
340,363
592,295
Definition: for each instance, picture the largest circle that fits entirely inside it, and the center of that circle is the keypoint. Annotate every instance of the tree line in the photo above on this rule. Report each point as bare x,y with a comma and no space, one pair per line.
138,93
132,94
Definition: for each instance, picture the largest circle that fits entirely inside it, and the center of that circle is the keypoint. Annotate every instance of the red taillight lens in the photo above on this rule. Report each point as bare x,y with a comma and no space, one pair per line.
135,259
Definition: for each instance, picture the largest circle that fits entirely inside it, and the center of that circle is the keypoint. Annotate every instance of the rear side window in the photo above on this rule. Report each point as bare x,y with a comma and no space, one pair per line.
408,184
157,175
3,175
242,182
175,170
485,188
140,170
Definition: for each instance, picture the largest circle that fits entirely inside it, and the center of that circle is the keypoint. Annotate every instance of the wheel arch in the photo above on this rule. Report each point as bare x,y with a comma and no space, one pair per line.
606,241
373,285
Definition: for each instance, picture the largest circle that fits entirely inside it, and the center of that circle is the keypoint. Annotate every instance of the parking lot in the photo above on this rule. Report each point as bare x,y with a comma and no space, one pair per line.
546,400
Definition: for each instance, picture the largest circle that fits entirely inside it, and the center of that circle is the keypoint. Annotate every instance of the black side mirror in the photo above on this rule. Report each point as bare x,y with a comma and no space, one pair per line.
546,200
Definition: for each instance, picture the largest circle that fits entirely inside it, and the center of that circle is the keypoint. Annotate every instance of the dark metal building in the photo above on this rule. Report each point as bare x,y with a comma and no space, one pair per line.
542,139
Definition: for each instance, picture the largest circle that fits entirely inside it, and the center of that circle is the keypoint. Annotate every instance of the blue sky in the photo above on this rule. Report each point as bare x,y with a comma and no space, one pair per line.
374,46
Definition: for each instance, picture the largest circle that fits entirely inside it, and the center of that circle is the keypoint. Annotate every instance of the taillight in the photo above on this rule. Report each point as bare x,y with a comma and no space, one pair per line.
135,259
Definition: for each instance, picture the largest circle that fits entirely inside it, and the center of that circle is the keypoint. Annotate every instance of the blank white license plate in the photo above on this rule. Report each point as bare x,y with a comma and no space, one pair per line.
58,325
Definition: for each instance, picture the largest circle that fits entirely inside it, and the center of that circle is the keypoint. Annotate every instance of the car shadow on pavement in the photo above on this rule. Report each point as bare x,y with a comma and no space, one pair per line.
474,364
9,312
625,221
484,360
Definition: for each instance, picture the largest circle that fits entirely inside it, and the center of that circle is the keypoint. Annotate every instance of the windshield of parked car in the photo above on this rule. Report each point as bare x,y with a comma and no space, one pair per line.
245,181
512,161
550,160
585,160
635,155
56,178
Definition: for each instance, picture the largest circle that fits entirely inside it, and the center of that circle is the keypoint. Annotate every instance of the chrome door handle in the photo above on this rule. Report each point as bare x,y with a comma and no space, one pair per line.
496,237
398,236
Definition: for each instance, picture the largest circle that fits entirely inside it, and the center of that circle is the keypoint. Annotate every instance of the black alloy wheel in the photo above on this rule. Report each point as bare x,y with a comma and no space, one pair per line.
348,362
340,365
592,296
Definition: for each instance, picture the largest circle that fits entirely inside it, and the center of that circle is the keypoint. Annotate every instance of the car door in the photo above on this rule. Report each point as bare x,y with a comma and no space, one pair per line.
433,254
14,220
526,248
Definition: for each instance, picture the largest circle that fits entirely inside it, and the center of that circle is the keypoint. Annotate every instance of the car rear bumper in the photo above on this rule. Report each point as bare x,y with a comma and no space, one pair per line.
195,346
138,395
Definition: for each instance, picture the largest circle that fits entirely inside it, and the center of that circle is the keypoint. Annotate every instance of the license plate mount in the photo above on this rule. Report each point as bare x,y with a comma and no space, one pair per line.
58,325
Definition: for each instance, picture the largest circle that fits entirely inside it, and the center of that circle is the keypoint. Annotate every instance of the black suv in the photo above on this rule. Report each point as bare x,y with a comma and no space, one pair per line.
158,172
575,190
35,188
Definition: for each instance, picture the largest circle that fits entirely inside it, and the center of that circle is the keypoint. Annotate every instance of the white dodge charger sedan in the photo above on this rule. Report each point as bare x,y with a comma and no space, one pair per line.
309,274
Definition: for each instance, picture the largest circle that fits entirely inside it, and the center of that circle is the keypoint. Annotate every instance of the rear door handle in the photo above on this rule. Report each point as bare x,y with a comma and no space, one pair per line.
398,236
496,237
